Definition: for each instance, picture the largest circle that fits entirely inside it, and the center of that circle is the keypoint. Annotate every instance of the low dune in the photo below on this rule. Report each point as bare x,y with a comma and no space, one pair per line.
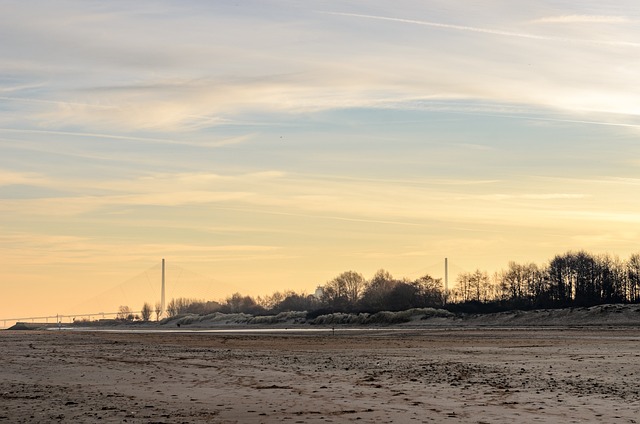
601,315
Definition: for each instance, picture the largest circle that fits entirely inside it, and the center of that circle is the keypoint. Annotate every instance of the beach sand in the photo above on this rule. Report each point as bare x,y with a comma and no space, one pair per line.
383,376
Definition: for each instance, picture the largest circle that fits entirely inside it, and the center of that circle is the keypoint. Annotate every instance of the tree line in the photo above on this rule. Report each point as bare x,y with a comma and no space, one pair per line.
575,278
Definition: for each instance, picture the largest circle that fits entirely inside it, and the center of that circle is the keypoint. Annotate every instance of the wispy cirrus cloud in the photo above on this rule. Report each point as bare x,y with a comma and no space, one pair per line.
18,246
11,88
490,31
274,193
153,140
441,25
8,177
528,196
582,19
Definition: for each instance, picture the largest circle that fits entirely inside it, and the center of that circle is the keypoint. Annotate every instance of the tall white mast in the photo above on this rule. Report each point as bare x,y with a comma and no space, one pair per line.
446,276
162,294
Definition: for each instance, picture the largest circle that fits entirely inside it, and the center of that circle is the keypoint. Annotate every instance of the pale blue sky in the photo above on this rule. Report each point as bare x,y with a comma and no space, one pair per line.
275,144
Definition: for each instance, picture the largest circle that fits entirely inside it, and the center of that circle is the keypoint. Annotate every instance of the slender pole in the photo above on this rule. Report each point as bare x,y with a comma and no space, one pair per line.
446,274
162,294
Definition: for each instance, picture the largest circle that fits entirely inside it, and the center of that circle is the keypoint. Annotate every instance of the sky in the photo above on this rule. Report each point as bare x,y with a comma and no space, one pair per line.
271,145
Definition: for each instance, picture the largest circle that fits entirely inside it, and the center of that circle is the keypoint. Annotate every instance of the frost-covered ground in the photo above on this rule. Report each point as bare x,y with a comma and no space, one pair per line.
601,315
417,374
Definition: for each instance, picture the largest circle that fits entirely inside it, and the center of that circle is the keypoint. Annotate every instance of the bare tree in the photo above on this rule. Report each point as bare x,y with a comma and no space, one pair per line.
513,281
158,310
293,301
474,286
272,301
124,313
334,294
633,277
463,288
430,290
172,308
146,312
351,285
376,294
238,303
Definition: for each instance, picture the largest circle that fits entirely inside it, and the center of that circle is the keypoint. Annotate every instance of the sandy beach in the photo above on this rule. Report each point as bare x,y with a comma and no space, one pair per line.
382,376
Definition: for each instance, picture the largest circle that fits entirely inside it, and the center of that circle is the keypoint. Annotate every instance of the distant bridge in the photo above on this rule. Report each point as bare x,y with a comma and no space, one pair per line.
146,287
62,319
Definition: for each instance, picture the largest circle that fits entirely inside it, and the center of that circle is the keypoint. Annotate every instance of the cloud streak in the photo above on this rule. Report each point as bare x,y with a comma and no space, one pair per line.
153,140
582,19
406,203
489,31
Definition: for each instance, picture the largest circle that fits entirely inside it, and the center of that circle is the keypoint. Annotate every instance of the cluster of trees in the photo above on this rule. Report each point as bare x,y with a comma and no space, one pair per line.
126,314
571,279
348,292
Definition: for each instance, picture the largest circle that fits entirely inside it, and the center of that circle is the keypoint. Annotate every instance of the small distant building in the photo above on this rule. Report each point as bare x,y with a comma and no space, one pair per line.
318,293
